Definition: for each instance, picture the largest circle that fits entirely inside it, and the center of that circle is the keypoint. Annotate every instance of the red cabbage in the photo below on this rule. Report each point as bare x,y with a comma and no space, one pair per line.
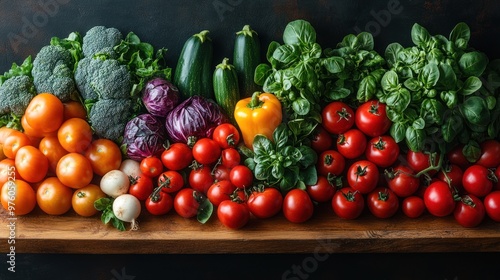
160,96
144,136
195,117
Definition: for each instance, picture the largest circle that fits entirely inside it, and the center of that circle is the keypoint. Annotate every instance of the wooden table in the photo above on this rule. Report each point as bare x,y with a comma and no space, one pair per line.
325,233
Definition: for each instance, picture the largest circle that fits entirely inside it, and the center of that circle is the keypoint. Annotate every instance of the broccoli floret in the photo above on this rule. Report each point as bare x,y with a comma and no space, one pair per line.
15,95
52,72
108,117
102,79
100,39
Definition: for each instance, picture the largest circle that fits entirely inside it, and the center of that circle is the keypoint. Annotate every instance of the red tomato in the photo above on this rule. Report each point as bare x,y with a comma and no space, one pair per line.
321,140
497,175
363,176
221,173
492,205
141,187
382,150
322,191
371,118
337,117
348,203
452,174
201,178
226,135
232,214
330,162
31,164
413,206
230,157
151,166
265,203
401,180
159,204
469,211
352,143
241,176
490,154
177,156
206,151
477,180
187,202
438,199
297,206
382,203
419,161
170,181
456,156
220,191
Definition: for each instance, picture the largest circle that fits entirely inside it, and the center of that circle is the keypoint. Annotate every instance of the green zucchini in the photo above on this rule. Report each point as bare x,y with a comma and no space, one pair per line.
246,57
193,73
226,91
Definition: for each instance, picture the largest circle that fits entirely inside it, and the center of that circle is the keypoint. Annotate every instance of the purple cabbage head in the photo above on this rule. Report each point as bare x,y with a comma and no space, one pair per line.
144,136
195,117
160,96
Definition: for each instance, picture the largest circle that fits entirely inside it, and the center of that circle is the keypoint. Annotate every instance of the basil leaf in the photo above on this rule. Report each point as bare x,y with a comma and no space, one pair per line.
349,41
289,179
475,111
451,127
419,35
390,81
337,93
262,71
392,53
309,156
449,98
286,53
262,147
447,77
301,106
473,63
367,89
309,175
399,100
429,75
413,84
299,32
398,131
415,138
418,123
102,203
471,85
261,171
280,136
365,41
334,64
278,170
205,211
431,111
472,151
273,45
460,35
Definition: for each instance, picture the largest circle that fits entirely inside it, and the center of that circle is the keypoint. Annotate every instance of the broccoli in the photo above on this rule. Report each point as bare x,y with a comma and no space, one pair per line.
52,72
100,39
108,117
15,95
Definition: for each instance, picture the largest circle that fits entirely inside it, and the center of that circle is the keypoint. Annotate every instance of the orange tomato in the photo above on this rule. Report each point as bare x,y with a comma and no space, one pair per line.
52,149
74,109
8,171
45,113
14,142
75,135
83,200
53,197
31,164
18,196
4,132
74,170
104,155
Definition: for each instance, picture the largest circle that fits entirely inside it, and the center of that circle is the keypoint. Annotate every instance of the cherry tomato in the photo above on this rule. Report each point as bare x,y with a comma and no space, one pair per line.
330,162
348,203
456,156
159,204
371,118
497,175
74,170
413,206
451,174
352,143
31,132
201,178
177,156
53,151
438,199
297,206
469,211
492,205
75,135
226,135
382,150
53,197
187,202
402,181
18,196
241,176
74,109
83,200
322,191
14,142
8,171
490,154
337,117
221,173
104,155
363,176
321,140
151,166
220,191
44,107
232,214
170,181
230,157
382,203
477,180
419,161
141,187
206,151
31,164
265,203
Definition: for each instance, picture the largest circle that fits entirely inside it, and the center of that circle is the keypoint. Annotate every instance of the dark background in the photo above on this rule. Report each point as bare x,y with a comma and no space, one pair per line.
26,26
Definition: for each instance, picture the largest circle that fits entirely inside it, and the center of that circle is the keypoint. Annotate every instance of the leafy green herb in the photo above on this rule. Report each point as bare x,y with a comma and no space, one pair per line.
105,205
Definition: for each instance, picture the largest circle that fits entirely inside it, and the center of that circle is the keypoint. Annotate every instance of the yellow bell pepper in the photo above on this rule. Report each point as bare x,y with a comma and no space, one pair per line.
259,114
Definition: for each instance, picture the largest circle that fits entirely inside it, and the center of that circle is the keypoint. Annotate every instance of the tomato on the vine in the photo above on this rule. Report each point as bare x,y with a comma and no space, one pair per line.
187,202
265,203
151,166
363,176
297,206
321,139
490,153
226,135
230,157
439,199
352,143
477,180
456,156
402,180
220,191
323,190
382,150
337,117
348,203
141,187
177,156
232,214
221,172
330,162
451,174
201,178
206,151
371,118
159,204
241,176
413,206
382,202
170,181
469,211
419,161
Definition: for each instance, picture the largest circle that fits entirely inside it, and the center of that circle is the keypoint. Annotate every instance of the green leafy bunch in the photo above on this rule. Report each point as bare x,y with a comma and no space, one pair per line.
434,92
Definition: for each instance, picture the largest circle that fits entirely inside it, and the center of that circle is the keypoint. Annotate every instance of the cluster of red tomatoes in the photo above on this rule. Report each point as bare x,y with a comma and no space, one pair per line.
356,151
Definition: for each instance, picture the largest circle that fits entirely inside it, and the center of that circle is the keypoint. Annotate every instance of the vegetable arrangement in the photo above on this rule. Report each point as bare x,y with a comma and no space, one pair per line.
416,129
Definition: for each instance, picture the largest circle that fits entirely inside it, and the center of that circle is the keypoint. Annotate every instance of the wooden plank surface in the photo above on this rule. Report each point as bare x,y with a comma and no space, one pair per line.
171,234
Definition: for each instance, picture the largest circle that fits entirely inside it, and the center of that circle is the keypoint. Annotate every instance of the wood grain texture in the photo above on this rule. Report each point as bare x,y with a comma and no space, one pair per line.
326,233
